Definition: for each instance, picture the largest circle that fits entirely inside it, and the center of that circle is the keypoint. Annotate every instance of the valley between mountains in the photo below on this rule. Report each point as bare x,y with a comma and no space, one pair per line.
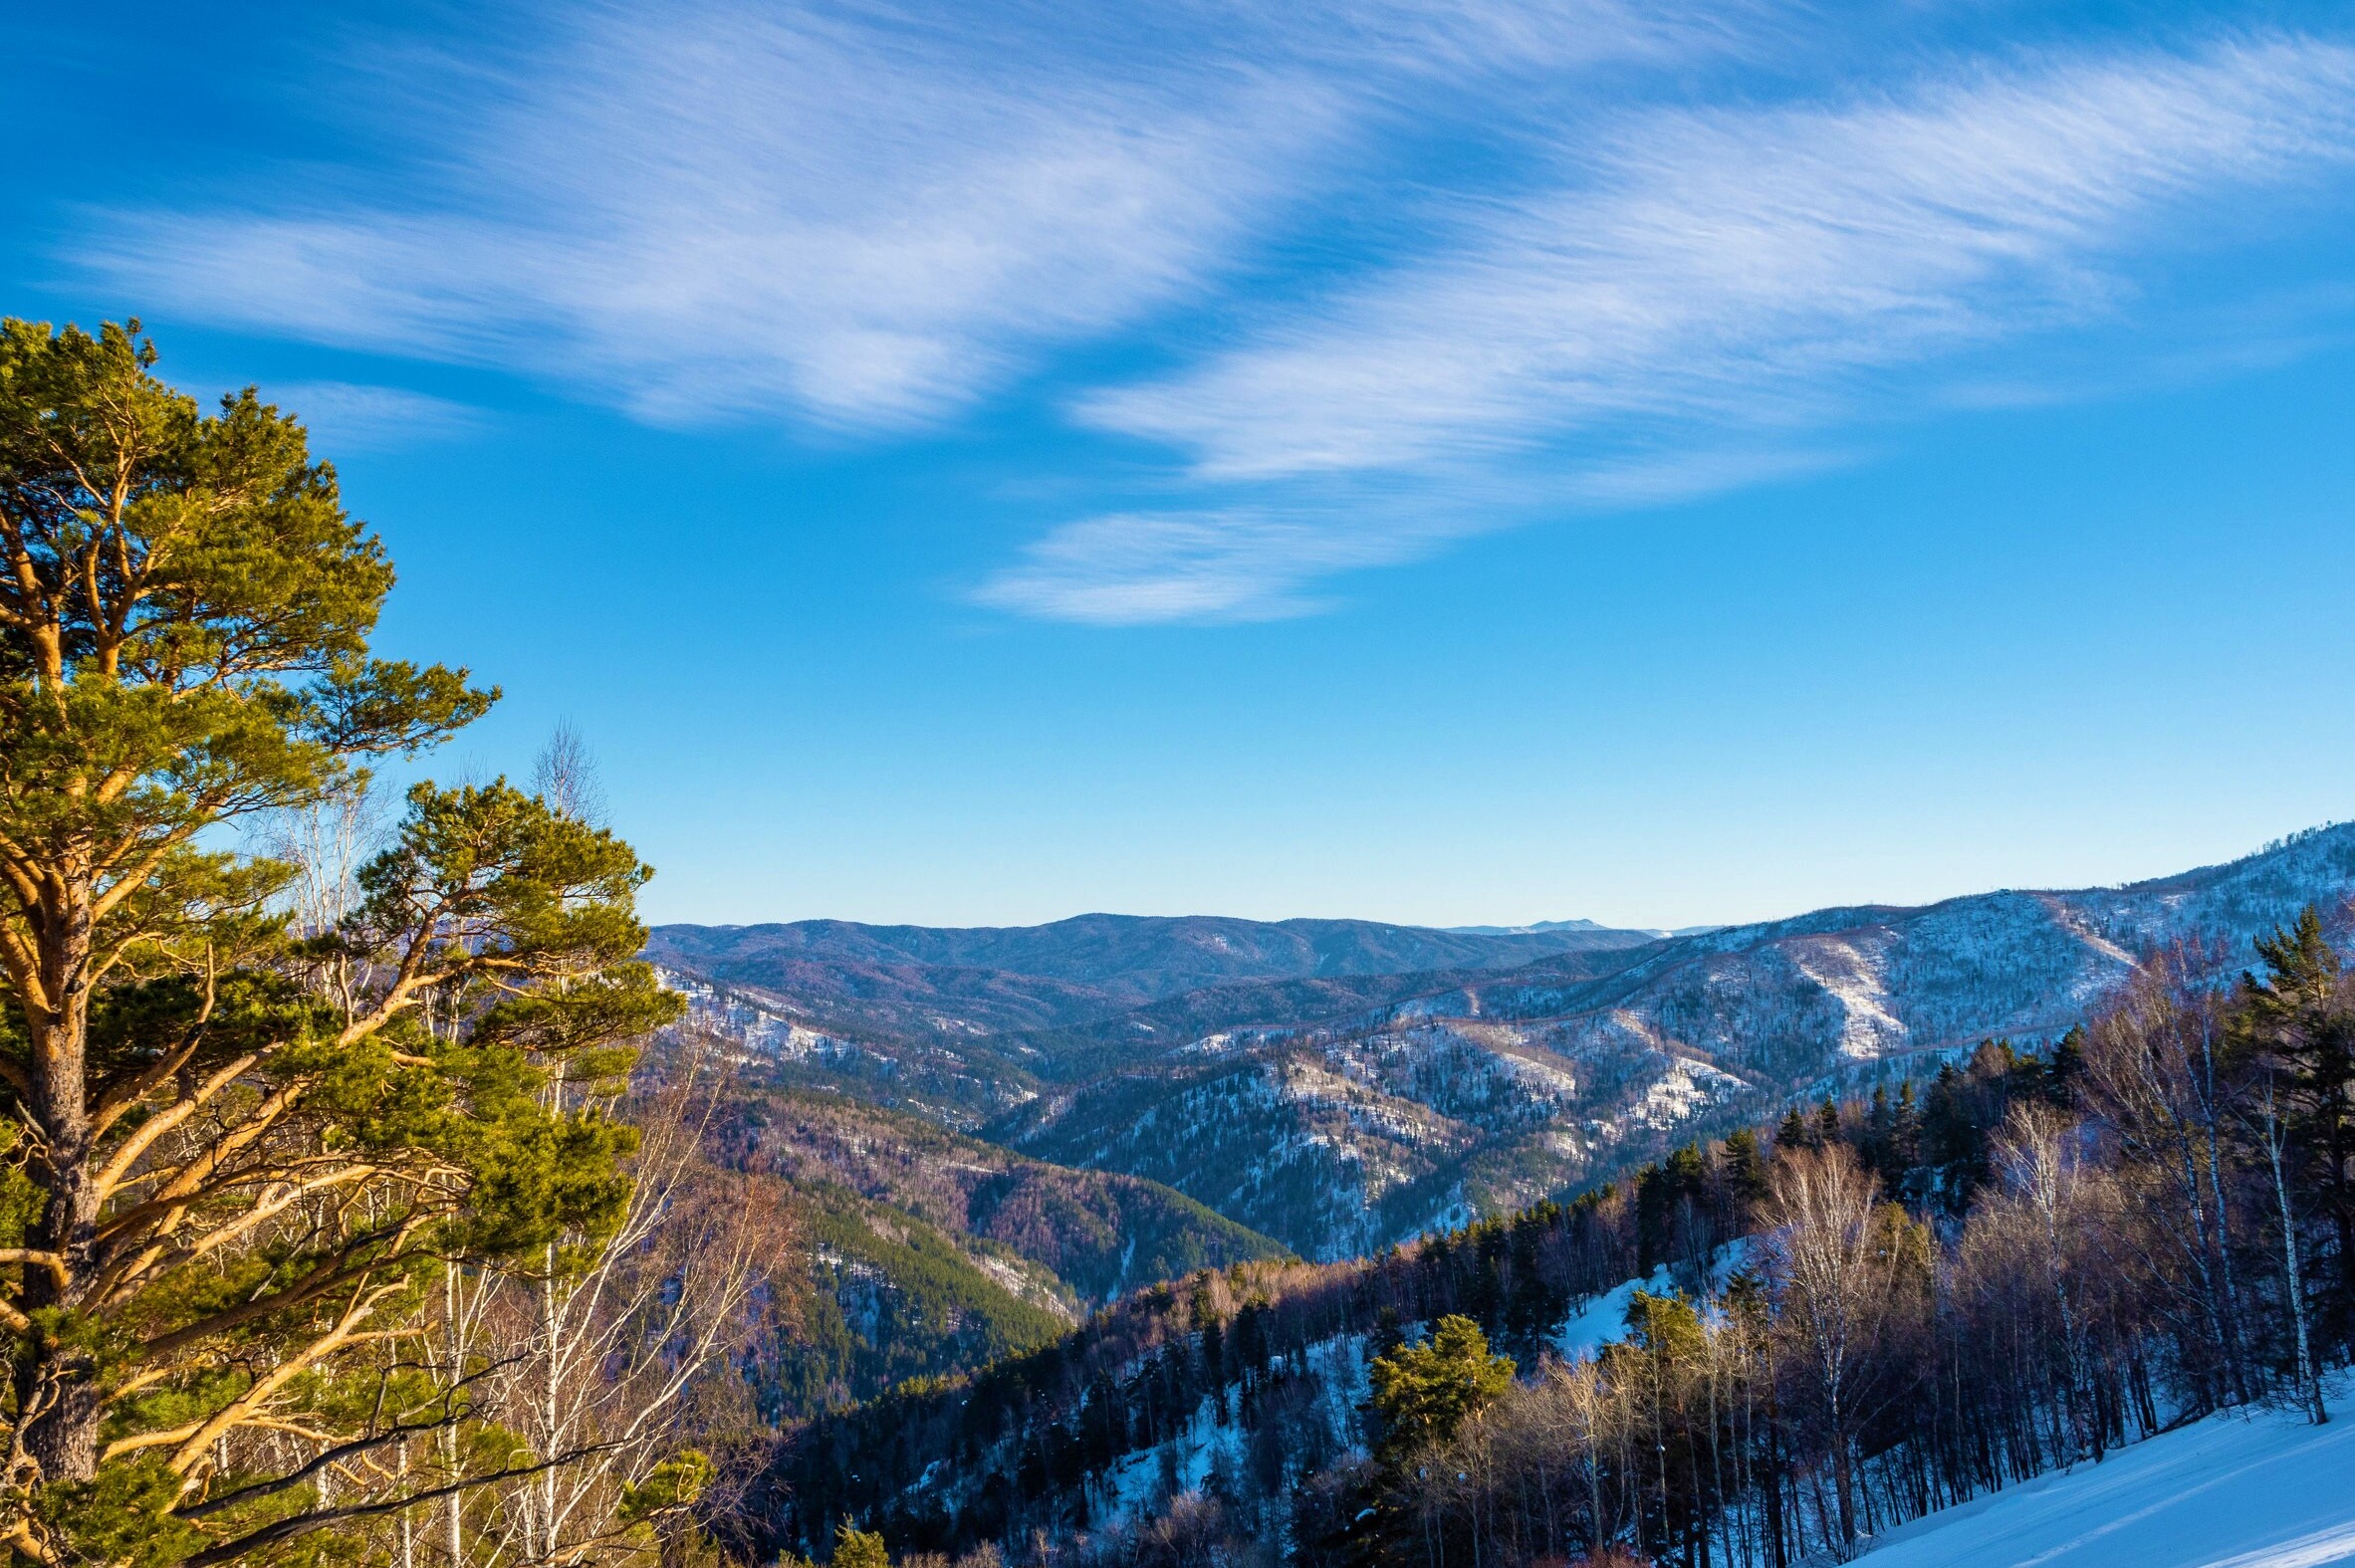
1070,1109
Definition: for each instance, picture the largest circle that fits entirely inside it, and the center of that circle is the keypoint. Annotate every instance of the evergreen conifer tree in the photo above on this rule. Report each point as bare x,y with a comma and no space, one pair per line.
1827,1123
2301,1015
1745,1179
1423,1392
247,1151
857,1548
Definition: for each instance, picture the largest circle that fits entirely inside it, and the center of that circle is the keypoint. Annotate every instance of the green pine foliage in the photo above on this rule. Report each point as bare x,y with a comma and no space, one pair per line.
854,1548
1424,1392
248,1149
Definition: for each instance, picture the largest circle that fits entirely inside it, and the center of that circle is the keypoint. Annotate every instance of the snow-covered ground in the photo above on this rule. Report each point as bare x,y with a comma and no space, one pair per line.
1131,1489
2234,1492
1603,1319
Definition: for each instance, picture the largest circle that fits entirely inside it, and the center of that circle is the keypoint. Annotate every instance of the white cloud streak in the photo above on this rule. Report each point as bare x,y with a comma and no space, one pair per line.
729,211
1260,561
1722,269
1217,565
1700,305
348,416
841,212
845,212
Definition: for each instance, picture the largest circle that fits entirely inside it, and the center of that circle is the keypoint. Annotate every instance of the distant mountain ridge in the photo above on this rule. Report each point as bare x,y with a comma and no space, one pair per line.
1541,927
1338,1112
960,983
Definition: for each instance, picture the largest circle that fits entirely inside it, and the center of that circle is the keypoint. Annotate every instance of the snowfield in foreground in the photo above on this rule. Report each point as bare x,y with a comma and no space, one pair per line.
2258,1491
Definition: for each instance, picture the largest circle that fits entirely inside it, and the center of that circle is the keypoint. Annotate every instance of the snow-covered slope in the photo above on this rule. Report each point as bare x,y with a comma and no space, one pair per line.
2232,1491
1854,985
1602,1320
1493,1093
1338,1115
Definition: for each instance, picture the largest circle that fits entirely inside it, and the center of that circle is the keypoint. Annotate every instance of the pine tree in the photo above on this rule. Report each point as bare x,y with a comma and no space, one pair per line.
251,1149
857,1548
1423,1392
1744,1178
2064,1067
1534,1300
1655,1207
2299,1021
1874,1143
1905,1145
1888,1143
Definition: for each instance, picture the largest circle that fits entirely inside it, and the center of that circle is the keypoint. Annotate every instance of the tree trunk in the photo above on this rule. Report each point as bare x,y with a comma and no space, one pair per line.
57,1383
2236,1355
1842,1479
2309,1387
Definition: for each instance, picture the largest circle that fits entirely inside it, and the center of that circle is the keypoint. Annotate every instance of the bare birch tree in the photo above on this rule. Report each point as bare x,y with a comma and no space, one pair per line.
615,1346
1849,1269
2155,1073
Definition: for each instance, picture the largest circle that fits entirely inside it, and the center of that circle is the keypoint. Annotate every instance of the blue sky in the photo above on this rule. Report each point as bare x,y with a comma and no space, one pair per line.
1470,460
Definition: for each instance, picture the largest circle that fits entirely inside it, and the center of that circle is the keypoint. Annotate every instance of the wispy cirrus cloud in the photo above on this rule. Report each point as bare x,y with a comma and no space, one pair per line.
727,210
850,213
1713,268
1236,564
1706,298
1620,279
1263,558
352,416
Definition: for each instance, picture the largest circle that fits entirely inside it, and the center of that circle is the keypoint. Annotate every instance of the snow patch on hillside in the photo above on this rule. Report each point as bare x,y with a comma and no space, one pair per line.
1024,1281
1686,1087
1855,971
1146,1479
1603,1319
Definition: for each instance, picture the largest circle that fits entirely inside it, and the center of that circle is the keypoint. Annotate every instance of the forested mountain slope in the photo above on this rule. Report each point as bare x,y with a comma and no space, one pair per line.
955,1085
1202,1020
1353,1132
2002,1300
875,1296
1262,1368
927,1255
1855,984
1340,1111
1336,1146
1099,1235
